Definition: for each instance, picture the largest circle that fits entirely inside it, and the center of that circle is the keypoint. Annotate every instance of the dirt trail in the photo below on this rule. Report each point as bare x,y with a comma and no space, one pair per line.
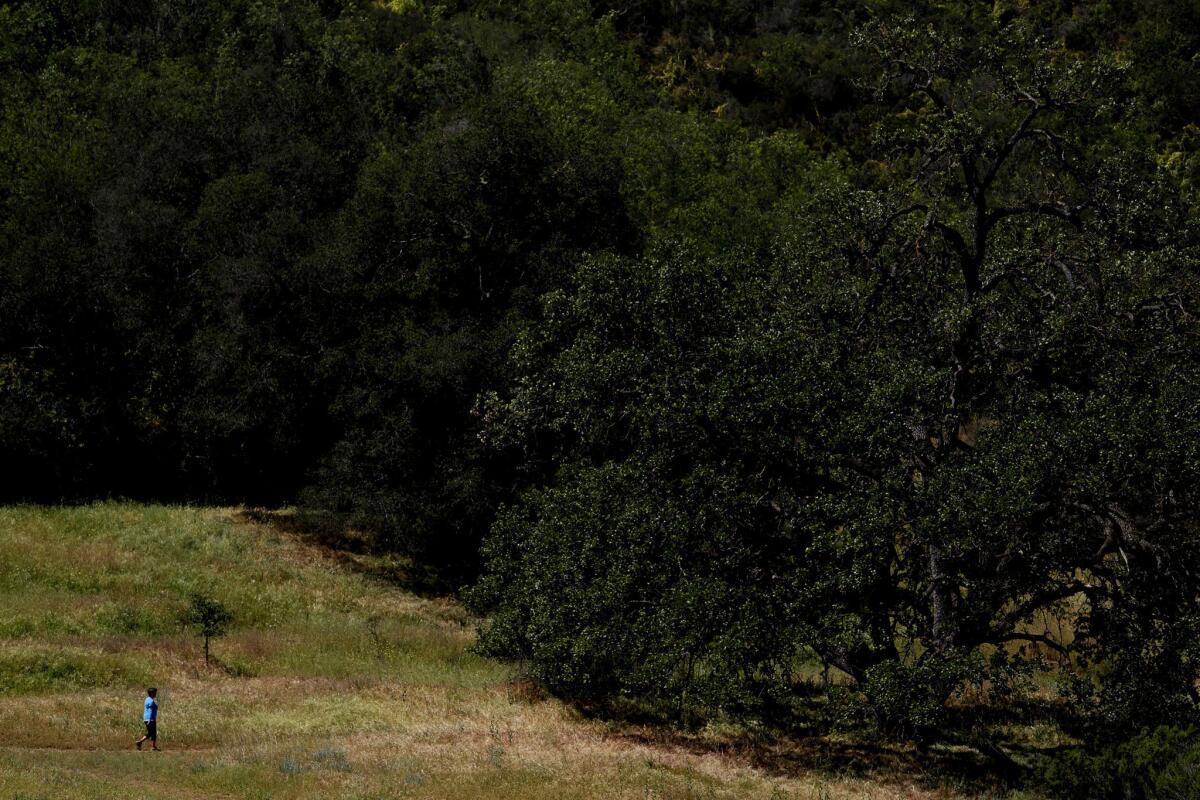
8,748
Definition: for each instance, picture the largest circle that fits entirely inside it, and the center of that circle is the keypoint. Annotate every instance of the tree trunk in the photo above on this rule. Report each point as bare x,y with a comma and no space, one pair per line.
940,605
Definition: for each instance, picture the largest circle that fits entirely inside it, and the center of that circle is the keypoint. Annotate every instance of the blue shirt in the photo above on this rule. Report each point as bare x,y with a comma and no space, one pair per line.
150,714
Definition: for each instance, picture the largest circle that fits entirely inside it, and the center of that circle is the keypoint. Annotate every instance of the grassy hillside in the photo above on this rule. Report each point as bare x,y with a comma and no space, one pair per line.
335,682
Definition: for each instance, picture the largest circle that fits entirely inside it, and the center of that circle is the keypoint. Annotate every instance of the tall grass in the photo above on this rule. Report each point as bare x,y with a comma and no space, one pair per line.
332,683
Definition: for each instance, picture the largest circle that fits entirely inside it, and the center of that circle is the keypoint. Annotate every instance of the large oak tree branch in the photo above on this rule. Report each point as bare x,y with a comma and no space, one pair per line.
1022,131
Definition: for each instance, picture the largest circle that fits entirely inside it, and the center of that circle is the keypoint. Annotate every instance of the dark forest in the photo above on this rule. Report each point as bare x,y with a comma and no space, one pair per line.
694,342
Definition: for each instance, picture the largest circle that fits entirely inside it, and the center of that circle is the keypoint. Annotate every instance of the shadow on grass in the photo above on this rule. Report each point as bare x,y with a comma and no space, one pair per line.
358,549
939,766
966,758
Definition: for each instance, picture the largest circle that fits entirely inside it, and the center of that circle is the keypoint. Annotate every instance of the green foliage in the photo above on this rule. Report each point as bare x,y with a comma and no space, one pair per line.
590,605
1179,779
908,700
252,250
774,328
1158,764
907,421
208,616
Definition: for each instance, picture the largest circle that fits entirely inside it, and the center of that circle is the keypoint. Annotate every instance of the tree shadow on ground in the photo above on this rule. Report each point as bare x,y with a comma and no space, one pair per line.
356,548
938,766
966,757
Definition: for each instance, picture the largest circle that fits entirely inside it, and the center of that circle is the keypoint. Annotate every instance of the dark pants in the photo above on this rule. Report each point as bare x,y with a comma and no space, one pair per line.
151,730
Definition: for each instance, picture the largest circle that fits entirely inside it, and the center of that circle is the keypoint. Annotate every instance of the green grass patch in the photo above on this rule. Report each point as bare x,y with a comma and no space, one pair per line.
23,672
332,682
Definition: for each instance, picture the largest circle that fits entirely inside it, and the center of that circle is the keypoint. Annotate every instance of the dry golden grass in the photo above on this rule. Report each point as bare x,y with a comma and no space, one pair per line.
334,684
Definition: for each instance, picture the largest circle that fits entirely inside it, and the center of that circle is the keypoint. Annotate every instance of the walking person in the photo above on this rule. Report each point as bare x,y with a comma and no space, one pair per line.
150,720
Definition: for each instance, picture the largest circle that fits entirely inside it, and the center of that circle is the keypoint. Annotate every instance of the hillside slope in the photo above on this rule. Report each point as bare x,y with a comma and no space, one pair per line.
333,683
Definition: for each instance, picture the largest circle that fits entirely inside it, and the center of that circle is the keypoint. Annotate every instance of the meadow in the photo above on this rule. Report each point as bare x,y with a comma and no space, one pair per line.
335,682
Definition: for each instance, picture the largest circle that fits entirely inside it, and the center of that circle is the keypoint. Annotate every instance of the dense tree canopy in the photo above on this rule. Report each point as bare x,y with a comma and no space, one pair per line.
753,331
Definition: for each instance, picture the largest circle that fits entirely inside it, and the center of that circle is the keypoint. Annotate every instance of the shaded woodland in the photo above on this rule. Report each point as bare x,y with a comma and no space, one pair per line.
717,347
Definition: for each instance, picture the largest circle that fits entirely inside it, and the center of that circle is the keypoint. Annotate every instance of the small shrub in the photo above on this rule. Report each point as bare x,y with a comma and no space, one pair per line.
1162,764
846,709
1180,780
210,617
908,701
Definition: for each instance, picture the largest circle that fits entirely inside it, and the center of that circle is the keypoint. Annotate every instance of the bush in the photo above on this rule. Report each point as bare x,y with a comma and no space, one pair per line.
903,701
1181,778
908,701
1162,764
209,617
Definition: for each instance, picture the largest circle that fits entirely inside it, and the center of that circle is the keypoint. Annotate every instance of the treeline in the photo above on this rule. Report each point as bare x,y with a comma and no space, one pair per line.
738,334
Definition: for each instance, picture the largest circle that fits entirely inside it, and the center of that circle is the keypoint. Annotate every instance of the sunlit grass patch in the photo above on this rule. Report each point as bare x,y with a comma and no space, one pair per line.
332,682
34,670
46,612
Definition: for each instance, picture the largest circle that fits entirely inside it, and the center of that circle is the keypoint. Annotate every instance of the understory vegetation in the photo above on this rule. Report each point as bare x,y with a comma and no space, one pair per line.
828,367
